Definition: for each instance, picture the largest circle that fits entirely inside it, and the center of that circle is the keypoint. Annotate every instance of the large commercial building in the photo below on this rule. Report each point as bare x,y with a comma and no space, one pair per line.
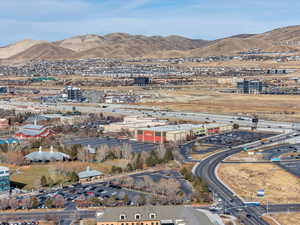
74,94
178,133
131,123
157,215
250,87
169,133
4,179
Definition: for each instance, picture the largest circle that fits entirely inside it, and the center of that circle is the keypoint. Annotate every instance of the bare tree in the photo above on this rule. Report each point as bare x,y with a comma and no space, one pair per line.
59,201
127,151
161,150
102,152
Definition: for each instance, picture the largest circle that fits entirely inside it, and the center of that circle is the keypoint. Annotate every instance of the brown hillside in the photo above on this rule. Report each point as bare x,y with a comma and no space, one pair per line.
44,51
135,45
230,46
281,34
13,49
123,45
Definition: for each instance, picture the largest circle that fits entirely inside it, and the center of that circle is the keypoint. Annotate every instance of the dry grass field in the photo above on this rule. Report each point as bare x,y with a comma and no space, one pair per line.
277,107
287,218
244,157
30,175
246,179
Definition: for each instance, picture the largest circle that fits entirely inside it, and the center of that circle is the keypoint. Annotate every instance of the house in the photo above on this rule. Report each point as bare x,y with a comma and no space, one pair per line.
157,215
89,175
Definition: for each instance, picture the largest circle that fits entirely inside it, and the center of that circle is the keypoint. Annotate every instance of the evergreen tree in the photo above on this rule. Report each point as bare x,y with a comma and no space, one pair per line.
34,203
168,156
126,199
74,177
129,167
43,181
49,203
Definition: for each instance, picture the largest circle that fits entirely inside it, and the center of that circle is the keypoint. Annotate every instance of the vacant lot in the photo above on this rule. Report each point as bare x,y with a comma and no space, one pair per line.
287,218
245,157
246,179
266,106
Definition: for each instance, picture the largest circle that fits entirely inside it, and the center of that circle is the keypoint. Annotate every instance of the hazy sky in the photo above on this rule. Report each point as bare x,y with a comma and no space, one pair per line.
202,19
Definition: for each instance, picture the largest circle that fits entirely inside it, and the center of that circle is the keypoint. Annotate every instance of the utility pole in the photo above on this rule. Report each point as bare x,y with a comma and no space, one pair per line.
254,122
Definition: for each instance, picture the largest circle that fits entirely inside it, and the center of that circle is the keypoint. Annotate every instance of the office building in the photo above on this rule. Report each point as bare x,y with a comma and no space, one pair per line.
74,94
4,179
250,87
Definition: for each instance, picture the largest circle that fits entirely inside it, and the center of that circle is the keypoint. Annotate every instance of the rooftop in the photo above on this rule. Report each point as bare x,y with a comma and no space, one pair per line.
3,168
89,173
174,127
187,215
46,156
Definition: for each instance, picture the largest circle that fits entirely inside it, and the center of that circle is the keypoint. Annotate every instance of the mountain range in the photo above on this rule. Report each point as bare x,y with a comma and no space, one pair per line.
123,45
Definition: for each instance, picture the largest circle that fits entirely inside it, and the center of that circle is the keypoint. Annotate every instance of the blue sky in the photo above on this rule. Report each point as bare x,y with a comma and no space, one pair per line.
203,19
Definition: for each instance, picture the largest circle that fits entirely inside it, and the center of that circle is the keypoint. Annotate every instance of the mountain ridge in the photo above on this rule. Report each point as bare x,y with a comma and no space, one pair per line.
125,45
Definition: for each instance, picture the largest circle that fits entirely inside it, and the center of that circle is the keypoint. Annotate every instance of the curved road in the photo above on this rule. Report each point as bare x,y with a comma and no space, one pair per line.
234,205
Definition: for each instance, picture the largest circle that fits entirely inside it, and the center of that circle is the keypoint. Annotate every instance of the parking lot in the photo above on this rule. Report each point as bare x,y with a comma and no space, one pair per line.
234,138
102,191
289,155
292,167
281,152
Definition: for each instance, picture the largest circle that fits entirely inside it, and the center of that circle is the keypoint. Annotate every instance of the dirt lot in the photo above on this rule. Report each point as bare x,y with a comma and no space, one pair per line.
245,156
245,179
287,218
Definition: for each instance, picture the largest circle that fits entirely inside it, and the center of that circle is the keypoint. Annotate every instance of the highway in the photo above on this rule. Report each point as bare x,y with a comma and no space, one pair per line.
123,109
231,202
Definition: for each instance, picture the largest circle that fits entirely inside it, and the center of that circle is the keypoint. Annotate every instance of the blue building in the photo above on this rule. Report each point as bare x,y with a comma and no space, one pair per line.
4,179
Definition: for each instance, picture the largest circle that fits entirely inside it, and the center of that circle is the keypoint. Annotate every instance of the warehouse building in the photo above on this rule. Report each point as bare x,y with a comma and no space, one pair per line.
4,179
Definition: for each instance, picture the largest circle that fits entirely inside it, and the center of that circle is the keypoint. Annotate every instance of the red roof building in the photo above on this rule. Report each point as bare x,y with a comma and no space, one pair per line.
34,131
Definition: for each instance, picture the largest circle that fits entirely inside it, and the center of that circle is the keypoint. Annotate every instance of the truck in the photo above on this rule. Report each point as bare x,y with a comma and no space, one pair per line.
252,203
